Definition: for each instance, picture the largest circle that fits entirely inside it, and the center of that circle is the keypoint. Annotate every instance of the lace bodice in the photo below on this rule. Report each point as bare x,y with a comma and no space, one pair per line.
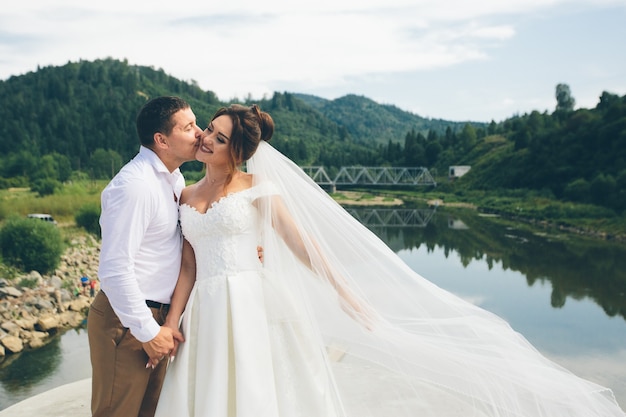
225,238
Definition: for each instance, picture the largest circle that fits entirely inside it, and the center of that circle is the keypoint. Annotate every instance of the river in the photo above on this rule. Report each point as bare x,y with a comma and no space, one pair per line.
566,294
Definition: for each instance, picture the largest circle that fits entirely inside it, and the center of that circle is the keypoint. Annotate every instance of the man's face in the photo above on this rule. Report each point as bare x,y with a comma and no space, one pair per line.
184,139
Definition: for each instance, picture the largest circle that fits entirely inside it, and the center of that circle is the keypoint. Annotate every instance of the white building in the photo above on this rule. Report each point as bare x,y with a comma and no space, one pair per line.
457,171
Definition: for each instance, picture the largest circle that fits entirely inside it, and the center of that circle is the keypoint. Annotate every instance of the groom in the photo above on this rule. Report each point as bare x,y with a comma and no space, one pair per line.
139,263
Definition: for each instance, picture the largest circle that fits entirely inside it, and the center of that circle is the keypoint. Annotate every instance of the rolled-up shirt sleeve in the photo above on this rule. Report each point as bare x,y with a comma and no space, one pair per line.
127,209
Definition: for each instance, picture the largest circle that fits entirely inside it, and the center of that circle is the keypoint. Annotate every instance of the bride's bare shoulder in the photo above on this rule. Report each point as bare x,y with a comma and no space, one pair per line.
242,181
189,191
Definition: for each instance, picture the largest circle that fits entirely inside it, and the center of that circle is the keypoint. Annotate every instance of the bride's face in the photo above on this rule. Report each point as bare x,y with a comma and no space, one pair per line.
215,142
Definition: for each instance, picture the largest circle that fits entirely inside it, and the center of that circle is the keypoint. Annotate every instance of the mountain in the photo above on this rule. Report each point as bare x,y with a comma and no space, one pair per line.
379,123
82,106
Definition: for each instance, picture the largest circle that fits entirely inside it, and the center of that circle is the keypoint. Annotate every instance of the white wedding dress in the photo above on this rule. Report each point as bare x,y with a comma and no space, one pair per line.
275,340
244,354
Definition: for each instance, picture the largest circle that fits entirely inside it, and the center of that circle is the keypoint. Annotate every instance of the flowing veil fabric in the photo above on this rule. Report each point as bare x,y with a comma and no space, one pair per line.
409,348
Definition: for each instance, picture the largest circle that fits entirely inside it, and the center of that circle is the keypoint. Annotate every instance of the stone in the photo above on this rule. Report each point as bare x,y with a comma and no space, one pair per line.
11,328
72,319
43,304
80,304
35,343
11,291
46,323
26,323
13,344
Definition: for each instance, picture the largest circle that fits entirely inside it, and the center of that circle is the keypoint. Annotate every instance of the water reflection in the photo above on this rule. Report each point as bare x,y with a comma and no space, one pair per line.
381,217
29,367
574,267
63,360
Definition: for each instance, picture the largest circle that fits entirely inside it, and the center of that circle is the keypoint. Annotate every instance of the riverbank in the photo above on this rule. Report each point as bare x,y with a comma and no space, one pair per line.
33,307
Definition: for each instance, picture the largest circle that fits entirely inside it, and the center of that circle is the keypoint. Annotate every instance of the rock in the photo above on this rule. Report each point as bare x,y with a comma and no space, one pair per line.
26,323
46,323
11,291
11,328
13,344
72,319
56,282
43,304
35,276
66,295
35,343
80,304
35,339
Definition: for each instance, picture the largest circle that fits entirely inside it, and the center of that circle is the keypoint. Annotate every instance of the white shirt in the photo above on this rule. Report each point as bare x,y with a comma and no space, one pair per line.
141,240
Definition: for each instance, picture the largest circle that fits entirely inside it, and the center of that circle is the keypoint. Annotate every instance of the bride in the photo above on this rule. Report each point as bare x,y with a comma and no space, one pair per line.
332,322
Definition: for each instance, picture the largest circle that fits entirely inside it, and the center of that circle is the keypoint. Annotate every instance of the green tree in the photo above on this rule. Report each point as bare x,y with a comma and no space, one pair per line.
31,244
564,100
105,163
468,137
88,217
45,186
602,188
578,190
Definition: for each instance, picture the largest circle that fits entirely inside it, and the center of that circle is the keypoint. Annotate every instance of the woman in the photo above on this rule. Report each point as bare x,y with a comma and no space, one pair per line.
332,323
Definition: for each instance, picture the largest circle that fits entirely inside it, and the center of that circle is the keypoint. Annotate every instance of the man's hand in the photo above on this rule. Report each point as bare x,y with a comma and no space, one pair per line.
162,344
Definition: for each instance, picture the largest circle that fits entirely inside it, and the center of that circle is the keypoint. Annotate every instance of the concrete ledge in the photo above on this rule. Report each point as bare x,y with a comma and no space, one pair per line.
71,400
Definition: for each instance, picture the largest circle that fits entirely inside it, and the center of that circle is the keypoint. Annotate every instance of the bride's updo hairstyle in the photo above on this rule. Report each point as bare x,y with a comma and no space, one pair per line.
250,126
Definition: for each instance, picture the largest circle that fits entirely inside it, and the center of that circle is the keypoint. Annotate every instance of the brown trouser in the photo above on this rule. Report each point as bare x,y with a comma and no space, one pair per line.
121,385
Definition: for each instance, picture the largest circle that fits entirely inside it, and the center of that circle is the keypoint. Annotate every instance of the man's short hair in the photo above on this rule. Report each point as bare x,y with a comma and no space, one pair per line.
156,117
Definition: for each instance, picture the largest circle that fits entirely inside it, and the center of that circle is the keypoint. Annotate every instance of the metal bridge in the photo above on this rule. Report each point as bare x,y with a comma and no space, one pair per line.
373,217
372,176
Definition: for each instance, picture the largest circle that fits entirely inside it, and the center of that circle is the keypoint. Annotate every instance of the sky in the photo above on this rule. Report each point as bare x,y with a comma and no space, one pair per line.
457,60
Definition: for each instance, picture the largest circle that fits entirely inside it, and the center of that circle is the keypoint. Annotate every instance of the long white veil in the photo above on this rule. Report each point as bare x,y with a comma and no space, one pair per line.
408,348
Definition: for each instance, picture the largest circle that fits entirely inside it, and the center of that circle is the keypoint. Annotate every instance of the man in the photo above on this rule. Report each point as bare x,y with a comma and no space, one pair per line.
139,263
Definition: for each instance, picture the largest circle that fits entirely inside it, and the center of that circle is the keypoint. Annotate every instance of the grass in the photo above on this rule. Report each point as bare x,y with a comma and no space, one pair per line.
515,204
62,205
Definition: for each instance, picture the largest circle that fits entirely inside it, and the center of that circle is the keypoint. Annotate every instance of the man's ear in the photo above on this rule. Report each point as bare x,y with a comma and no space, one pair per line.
160,141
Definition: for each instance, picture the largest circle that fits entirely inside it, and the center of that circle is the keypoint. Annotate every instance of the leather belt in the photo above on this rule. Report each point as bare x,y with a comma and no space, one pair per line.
155,304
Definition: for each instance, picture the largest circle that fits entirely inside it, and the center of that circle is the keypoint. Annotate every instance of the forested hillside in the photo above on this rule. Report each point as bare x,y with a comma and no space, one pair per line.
77,120
84,112
568,155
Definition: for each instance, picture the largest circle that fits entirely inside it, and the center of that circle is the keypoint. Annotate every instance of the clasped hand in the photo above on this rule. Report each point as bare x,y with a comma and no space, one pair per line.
164,344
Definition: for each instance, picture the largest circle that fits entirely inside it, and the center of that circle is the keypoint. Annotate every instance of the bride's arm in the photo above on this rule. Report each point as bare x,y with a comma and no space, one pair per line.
286,227
184,285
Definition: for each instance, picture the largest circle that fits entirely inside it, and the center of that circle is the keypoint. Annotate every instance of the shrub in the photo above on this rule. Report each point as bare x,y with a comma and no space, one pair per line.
88,217
31,244
46,186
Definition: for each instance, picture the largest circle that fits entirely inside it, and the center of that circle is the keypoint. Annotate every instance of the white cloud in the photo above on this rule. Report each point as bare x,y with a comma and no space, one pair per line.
236,48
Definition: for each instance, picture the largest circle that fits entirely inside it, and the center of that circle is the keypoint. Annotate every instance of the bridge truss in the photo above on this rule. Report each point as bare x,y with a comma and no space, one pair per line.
372,176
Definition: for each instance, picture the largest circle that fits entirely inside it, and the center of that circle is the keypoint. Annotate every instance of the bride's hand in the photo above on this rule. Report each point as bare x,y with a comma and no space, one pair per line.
178,339
357,309
177,334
